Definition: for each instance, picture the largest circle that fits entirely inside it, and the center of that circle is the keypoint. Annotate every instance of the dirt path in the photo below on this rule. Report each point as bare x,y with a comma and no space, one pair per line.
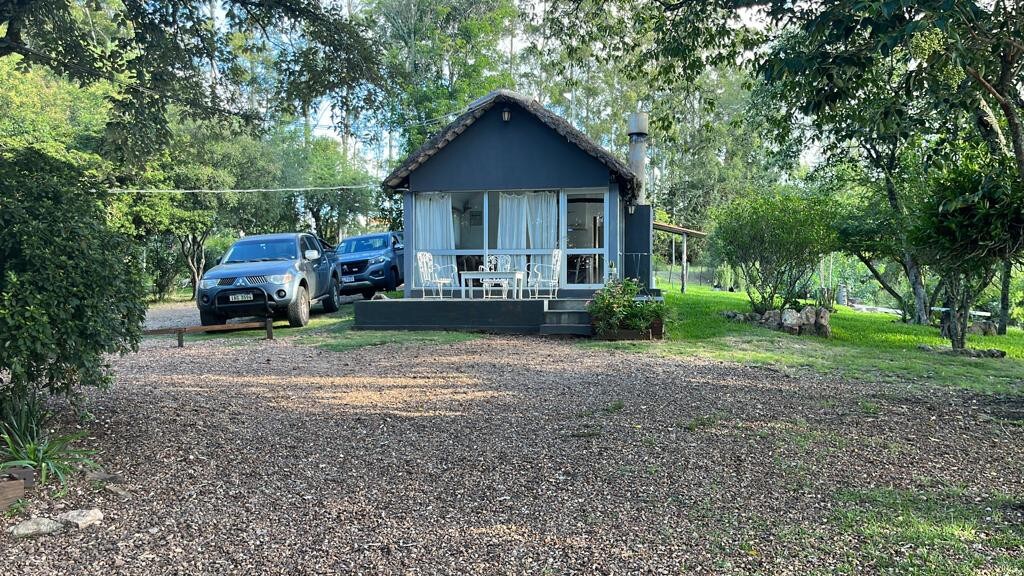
499,455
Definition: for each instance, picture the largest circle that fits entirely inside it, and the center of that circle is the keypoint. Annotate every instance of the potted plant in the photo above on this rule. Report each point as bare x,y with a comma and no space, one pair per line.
617,313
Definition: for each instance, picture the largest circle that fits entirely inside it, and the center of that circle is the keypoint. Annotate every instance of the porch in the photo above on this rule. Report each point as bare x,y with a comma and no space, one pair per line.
566,315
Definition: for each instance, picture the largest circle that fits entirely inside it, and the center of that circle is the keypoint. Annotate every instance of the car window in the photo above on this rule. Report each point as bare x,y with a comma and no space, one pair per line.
364,244
260,250
309,244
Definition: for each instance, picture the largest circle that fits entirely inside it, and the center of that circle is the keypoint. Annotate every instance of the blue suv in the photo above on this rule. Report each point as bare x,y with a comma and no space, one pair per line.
275,274
371,262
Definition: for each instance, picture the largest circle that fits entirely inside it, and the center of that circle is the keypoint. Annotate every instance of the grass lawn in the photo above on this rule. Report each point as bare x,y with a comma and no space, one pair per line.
865,346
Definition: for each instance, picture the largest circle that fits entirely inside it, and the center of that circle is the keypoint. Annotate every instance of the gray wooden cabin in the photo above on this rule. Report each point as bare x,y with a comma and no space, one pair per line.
505,159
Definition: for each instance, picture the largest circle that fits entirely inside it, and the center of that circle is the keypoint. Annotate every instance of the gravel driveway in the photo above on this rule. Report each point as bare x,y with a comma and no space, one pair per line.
498,455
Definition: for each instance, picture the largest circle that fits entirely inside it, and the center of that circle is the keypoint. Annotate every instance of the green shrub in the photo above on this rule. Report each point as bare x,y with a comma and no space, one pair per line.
615,307
71,290
47,455
773,240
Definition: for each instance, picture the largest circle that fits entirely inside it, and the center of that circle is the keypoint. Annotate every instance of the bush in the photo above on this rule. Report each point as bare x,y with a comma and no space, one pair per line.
71,290
774,241
615,307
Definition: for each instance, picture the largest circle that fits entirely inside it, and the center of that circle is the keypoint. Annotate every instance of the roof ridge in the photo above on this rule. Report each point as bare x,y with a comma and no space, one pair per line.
627,179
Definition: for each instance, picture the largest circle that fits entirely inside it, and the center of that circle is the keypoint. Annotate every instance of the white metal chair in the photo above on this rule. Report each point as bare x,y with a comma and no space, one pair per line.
545,276
496,263
433,276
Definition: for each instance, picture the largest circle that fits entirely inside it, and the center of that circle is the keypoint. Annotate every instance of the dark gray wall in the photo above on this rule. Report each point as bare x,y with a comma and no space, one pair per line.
636,249
522,153
499,316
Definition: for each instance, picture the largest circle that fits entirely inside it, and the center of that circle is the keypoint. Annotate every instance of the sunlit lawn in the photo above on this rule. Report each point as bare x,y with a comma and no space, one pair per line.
865,345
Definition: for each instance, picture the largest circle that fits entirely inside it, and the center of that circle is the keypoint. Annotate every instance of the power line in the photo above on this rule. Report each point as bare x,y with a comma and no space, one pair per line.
226,190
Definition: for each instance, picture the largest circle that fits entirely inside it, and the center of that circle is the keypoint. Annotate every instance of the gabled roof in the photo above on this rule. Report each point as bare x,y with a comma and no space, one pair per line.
628,182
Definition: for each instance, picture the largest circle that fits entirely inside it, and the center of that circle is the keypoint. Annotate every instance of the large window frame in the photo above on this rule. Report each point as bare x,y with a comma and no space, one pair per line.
563,197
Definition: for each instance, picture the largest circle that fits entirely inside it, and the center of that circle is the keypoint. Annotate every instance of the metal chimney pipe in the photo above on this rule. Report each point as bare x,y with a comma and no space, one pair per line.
638,126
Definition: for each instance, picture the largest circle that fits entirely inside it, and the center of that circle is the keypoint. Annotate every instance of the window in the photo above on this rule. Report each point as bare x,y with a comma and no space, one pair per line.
259,250
584,216
364,244
468,220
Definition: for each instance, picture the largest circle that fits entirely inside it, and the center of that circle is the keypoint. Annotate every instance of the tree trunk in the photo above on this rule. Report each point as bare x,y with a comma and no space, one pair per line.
1004,297
917,285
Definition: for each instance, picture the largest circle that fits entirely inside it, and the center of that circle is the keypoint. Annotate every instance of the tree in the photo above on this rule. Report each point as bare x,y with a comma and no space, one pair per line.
138,44
775,240
440,55
974,221
71,289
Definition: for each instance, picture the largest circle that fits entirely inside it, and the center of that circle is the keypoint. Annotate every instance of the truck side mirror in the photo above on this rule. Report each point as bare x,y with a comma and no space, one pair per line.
399,246
312,254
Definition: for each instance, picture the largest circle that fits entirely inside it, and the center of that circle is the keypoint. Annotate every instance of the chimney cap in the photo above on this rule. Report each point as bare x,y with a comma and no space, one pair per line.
638,124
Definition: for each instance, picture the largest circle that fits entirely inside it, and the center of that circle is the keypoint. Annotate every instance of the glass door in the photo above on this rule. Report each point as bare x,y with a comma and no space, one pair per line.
584,238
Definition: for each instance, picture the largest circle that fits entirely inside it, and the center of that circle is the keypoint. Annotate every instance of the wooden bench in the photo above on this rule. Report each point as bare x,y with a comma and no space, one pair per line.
268,324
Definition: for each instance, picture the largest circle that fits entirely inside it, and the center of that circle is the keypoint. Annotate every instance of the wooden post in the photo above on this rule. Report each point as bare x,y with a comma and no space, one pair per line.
686,267
270,328
181,338
673,265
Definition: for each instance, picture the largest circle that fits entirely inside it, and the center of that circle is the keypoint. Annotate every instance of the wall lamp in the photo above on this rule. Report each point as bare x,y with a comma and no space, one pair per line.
506,115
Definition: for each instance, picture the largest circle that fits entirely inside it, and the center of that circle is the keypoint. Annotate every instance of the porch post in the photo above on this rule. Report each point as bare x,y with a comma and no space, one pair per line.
672,266
408,235
686,267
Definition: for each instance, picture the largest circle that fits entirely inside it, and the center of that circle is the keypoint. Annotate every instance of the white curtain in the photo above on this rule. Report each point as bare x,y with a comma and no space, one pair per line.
434,228
512,217
543,224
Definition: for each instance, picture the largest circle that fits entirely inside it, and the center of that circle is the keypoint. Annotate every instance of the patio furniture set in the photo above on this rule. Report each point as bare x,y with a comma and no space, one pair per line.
498,277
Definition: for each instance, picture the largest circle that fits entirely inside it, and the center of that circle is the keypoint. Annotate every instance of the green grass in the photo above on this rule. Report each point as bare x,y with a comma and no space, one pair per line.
936,532
865,346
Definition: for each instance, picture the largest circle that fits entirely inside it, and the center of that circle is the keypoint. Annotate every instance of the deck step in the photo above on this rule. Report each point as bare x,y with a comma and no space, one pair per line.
566,330
566,317
576,304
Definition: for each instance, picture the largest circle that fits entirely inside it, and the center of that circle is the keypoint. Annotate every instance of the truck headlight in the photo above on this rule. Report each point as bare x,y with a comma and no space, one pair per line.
379,260
208,283
280,278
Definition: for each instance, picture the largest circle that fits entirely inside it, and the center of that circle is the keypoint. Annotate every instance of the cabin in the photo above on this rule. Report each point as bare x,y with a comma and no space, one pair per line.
513,218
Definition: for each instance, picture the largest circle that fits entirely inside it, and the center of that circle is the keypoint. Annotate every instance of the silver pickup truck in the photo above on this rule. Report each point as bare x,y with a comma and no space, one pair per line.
271,274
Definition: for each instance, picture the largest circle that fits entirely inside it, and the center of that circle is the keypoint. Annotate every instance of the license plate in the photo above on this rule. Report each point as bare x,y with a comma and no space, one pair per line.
348,278
239,297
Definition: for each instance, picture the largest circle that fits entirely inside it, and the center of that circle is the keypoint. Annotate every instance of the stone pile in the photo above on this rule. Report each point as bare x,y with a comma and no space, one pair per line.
808,321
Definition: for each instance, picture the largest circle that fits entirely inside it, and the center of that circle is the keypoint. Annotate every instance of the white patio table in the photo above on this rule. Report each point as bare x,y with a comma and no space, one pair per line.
518,278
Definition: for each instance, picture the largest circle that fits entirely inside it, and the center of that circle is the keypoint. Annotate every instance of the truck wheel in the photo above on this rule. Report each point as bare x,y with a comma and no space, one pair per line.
391,279
298,310
211,318
332,302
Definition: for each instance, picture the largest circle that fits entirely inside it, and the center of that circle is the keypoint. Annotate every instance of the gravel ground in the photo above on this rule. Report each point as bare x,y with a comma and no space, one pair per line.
498,455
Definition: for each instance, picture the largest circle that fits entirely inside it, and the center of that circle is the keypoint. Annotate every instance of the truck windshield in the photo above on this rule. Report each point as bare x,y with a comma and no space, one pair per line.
262,250
367,244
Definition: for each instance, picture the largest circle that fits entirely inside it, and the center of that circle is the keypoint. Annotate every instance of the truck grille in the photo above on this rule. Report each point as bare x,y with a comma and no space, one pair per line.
249,281
354,267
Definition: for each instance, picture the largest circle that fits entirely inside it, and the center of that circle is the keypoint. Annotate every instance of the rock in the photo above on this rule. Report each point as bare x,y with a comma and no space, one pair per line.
791,321
380,296
809,315
823,322
81,518
115,489
982,328
754,317
100,475
772,319
36,527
